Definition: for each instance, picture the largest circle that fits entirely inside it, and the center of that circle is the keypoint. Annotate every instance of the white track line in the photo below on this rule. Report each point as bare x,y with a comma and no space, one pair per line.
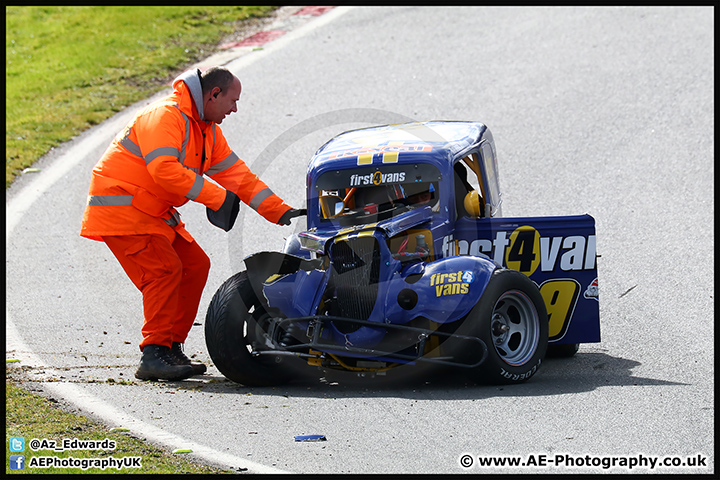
113,417
22,201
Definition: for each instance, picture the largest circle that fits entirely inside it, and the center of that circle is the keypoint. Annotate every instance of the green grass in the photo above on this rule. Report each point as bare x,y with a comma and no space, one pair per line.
35,417
69,68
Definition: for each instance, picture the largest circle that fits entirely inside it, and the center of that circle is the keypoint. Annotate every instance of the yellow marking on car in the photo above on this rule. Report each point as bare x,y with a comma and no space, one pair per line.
390,157
367,232
365,159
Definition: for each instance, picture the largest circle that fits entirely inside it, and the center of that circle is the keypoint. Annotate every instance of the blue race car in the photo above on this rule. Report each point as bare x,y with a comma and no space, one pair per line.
406,261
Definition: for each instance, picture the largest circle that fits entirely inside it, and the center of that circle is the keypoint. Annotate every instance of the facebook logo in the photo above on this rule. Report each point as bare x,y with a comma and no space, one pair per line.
17,444
17,462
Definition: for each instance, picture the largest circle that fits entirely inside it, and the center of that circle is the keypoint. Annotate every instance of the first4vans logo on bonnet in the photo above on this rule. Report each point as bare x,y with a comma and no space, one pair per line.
456,283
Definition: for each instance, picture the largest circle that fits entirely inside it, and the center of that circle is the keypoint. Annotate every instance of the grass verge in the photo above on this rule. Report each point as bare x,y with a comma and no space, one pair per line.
69,68
29,416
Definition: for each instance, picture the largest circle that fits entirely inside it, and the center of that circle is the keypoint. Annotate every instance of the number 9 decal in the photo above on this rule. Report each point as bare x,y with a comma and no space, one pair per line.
560,298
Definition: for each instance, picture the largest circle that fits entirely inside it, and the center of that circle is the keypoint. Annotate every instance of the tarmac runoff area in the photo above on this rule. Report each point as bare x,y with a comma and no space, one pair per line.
259,38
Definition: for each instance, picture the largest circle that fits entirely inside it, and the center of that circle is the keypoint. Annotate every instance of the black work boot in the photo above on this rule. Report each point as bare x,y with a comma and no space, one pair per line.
179,358
156,363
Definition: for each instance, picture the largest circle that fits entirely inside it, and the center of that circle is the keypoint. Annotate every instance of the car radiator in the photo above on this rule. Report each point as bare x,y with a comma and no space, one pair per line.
355,276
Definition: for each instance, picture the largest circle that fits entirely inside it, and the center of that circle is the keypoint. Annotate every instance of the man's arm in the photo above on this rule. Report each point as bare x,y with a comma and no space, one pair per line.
231,172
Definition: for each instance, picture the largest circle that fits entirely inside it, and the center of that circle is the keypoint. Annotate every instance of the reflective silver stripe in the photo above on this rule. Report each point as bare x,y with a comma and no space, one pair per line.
196,188
183,149
159,152
174,220
260,197
135,150
130,145
228,162
109,200
120,200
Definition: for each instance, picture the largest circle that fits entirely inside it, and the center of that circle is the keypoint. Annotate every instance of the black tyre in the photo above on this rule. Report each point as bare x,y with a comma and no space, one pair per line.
563,351
234,325
512,321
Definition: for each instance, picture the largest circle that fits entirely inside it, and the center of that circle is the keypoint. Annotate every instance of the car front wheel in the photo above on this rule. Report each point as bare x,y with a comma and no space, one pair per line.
235,325
512,321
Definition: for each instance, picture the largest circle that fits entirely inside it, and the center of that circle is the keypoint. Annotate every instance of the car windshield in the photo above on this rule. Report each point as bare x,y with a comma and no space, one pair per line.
364,196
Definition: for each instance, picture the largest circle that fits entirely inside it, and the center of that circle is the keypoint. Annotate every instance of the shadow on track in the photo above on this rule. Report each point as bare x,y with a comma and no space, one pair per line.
582,373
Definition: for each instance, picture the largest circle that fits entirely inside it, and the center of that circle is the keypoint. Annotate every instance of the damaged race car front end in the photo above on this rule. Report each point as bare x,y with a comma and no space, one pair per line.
363,308
407,261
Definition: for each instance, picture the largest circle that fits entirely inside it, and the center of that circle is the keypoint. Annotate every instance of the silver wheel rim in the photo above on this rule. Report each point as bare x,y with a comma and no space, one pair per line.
515,328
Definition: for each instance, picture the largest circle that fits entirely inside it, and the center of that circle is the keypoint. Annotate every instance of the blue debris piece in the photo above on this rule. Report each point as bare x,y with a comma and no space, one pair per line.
310,438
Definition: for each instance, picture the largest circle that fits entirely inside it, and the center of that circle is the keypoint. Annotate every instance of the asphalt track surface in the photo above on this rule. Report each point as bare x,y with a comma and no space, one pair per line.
607,111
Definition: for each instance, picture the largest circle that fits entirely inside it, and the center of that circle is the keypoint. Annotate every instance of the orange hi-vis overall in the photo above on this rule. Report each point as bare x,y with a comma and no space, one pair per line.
157,163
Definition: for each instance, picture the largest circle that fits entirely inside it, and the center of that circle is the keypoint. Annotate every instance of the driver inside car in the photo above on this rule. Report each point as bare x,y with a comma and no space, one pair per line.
418,194
371,198
376,199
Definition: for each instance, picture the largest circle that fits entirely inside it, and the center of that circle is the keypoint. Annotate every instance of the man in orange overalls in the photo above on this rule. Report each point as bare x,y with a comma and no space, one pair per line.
155,164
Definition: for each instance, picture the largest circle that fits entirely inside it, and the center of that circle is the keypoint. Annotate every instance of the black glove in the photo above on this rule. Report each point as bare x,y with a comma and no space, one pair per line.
224,217
292,213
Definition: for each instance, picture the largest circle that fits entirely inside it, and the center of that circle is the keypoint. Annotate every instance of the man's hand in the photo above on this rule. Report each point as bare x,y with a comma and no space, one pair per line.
225,216
290,214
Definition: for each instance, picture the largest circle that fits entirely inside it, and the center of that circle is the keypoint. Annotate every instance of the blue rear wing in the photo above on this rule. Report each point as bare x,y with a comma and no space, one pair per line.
557,253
